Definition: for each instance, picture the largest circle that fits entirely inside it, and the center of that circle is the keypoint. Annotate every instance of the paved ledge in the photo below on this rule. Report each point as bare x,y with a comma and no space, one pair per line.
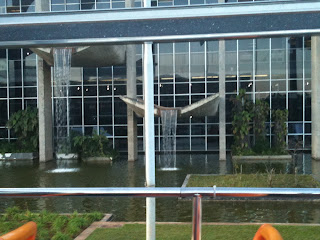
103,223
97,159
262,158
19,156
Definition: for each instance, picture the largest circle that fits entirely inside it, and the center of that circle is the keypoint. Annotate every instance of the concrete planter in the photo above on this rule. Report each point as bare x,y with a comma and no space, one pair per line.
64,156
19,156
262,158
97,159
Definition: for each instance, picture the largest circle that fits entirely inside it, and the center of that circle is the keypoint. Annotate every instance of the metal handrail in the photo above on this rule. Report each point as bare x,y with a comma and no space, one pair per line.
162,192
196,193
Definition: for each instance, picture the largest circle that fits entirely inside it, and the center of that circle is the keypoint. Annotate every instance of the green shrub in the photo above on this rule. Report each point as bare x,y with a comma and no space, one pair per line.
26,128
50,225
61,236
246,114
93,146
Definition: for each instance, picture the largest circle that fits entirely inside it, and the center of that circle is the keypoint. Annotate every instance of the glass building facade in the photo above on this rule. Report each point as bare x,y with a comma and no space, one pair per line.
277,70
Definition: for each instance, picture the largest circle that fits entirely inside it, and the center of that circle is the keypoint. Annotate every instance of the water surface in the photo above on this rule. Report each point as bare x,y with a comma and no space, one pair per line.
127,174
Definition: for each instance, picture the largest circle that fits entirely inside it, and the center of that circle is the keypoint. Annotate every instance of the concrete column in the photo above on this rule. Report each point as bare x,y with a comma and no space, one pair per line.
222,104
132,93
42,5
315,96
44,99
222,95
45,111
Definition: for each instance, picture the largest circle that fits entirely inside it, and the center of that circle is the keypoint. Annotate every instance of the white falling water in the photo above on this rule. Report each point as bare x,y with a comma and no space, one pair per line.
169,128
62,65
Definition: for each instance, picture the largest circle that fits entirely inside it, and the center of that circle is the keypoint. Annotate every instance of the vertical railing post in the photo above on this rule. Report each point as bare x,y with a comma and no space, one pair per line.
197,217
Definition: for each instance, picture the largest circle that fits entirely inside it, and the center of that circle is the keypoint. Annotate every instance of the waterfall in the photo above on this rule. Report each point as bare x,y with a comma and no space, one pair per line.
169,127
62,65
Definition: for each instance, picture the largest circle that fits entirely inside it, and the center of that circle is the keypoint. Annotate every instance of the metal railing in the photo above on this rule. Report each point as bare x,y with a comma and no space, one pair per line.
196,193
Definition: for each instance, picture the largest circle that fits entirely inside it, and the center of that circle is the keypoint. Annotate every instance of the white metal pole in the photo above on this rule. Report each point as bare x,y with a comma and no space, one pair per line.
149,135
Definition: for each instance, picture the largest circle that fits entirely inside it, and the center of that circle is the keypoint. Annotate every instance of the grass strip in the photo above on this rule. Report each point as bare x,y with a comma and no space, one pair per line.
50,225
178,232
254,180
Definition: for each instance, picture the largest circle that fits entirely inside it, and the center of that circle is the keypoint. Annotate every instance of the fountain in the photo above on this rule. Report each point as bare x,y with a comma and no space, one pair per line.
62,65
205,107
169,127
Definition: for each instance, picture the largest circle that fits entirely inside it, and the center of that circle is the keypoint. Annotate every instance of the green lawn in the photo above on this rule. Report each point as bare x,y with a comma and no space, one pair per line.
179,232
50,225
254,180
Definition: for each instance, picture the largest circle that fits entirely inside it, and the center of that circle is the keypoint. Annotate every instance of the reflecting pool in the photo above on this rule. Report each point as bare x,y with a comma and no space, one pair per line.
132,174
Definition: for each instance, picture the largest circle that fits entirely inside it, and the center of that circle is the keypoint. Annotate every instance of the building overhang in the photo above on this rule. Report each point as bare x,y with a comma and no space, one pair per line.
162,24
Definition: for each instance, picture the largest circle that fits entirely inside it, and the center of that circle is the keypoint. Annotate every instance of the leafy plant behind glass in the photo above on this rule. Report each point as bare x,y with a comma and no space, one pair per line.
280,130
26,127
242,114
94,146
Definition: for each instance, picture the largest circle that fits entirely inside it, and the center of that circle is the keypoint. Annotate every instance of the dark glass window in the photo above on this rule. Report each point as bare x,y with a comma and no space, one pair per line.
105,110
75,111
90,111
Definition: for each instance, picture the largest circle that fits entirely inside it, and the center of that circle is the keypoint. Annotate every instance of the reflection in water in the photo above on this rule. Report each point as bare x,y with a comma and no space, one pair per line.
65,166
131,174
64,170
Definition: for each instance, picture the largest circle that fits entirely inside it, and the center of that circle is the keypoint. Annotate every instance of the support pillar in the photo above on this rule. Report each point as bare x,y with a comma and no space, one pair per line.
42,5
44,99
222,104
315,96
222,96
131,93
45,112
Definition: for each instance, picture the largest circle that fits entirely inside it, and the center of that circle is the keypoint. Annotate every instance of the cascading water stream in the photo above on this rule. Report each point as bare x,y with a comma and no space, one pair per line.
62,67
169,127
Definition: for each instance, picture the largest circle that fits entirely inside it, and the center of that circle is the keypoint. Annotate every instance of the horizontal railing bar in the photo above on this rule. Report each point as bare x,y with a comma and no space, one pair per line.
161,192
189,23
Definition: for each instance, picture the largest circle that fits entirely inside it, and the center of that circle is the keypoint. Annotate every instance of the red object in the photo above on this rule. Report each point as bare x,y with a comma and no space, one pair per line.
267,232
27,231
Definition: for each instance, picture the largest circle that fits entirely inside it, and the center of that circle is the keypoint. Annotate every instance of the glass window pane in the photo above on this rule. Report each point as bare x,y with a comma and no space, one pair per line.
89,76
278,64
120,110
75,91
4,112
15,76
105,111
295,107
3,71
105,75
213,143
30,73
15,105
90,111
183,143
198,143
75,111
76,76
120,75
15,92
30,103
90,91
30,92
